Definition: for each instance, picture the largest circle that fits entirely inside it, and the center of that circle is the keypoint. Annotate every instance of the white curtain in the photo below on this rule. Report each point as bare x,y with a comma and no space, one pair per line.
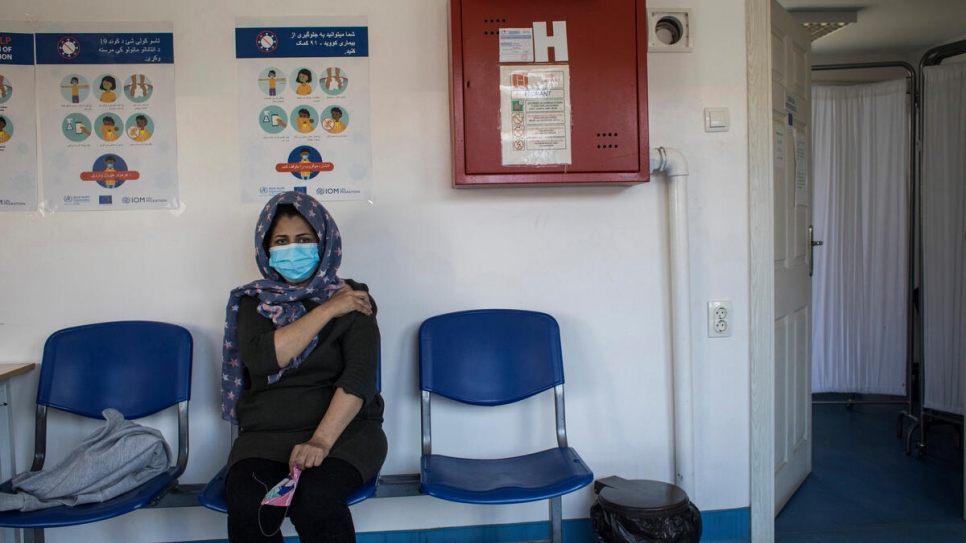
944,203
860,142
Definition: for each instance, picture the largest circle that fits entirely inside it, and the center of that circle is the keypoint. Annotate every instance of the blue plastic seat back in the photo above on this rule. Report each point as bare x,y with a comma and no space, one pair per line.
490,356
136,367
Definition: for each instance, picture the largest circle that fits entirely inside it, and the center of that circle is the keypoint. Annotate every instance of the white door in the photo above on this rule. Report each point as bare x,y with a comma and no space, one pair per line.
791,130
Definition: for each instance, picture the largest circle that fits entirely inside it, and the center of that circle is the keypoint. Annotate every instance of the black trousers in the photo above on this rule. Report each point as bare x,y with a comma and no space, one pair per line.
318,511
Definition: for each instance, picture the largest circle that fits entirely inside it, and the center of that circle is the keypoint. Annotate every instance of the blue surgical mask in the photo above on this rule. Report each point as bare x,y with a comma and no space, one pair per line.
296,262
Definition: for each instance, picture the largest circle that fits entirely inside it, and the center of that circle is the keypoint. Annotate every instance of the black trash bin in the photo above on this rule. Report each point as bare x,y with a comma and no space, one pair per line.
643,511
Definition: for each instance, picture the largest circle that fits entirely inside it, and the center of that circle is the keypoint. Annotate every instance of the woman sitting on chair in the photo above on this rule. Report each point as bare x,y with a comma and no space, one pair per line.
299,376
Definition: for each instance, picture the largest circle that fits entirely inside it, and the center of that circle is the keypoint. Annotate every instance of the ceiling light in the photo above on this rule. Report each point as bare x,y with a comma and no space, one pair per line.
818,23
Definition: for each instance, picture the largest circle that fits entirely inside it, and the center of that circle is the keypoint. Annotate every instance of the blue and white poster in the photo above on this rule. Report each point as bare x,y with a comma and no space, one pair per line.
107,117
18,123
303,105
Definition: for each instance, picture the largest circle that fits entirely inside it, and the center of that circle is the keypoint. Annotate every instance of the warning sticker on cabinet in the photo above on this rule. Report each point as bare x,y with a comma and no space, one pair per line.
535,115
516,45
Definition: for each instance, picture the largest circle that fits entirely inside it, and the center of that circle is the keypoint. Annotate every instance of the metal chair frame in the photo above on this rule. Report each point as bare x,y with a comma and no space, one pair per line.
560,421
33,534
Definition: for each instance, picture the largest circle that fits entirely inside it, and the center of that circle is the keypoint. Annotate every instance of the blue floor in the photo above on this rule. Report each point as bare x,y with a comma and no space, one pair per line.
864,489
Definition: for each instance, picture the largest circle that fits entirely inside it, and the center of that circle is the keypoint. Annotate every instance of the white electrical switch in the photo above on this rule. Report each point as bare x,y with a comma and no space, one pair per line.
716,119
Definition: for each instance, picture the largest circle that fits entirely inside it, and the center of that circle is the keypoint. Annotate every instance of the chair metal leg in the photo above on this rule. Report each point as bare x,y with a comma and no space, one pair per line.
556,520
35,535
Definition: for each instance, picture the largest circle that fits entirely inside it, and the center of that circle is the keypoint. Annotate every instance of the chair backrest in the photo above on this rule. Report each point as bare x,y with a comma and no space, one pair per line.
490,356
136,367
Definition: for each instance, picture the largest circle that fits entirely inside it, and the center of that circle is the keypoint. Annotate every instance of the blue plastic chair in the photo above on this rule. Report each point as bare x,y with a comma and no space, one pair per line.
488,358
136,367
214,496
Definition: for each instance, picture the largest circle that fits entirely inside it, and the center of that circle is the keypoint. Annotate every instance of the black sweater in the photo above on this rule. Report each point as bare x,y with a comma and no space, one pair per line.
275,417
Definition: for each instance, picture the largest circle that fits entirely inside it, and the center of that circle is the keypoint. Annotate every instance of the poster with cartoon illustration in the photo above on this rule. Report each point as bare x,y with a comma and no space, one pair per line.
303,105
18,124
107,117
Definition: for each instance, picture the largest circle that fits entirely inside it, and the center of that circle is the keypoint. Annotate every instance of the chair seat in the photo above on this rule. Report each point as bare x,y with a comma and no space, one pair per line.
91,512
532,477
213,495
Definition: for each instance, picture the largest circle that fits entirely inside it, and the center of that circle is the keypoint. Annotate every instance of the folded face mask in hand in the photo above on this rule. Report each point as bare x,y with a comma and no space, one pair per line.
281,494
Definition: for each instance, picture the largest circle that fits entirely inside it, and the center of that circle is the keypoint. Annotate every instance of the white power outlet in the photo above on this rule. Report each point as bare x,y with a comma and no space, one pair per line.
720,319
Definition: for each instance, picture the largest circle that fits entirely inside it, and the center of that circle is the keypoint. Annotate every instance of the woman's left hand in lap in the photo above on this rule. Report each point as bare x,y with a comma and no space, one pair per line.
308,455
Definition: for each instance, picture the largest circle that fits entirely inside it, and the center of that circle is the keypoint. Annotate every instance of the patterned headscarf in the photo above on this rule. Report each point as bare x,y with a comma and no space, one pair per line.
280,301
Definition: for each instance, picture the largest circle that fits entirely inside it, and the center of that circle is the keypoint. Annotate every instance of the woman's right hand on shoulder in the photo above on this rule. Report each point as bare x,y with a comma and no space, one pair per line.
346,300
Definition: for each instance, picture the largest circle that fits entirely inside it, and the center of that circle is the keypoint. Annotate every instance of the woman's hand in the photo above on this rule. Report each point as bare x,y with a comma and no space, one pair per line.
308,455
346,300
341,411
291,339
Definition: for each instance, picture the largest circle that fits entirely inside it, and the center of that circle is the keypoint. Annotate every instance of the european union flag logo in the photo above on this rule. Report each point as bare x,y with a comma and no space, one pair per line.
301,190
104,200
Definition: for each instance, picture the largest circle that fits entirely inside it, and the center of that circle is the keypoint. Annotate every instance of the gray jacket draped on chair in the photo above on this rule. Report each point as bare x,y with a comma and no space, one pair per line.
110,462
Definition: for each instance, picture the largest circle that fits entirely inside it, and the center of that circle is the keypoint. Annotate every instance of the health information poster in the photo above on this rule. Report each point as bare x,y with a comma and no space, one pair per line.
18,124
107,117
303,98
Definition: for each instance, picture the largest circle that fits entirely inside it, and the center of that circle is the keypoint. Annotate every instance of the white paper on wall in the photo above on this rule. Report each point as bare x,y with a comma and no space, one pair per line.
801,171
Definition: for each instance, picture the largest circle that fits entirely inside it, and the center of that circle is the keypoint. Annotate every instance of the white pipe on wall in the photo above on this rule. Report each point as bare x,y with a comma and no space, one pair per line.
672,163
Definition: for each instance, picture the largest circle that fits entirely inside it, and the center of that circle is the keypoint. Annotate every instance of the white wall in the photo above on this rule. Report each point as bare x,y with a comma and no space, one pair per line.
595,258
